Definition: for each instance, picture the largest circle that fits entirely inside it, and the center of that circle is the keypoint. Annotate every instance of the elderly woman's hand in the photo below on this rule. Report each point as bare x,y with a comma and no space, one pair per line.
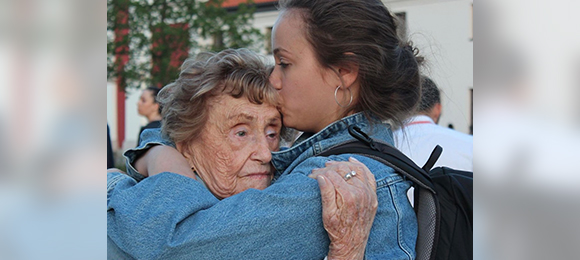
349,205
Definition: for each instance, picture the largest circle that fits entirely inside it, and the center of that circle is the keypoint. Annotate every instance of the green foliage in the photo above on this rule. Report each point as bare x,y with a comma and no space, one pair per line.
162,33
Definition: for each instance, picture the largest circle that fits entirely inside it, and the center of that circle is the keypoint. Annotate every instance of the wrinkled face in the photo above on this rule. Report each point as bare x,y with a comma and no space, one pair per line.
146,104
306,89
233,151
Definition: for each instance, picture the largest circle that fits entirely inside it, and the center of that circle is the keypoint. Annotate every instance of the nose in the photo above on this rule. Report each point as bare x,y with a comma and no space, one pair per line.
275,79
262,152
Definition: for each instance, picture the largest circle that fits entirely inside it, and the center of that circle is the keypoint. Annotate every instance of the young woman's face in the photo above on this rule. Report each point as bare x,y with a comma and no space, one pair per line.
146,104
306,88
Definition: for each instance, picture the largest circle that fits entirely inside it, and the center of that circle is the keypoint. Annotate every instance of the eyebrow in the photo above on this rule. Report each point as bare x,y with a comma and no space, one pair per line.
278,50
242,116
272,121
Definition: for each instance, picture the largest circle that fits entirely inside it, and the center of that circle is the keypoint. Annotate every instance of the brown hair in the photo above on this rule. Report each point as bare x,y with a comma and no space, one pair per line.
239,73
388,68
154,92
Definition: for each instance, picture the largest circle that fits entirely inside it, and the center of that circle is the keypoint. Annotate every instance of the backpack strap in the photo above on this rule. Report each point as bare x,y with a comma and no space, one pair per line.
433,158
384,153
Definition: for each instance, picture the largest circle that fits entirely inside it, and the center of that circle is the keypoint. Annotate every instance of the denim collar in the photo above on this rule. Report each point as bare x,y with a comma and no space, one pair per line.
283,159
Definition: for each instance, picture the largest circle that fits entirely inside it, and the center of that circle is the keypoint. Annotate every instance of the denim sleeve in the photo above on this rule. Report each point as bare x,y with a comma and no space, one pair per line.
149,138
168,216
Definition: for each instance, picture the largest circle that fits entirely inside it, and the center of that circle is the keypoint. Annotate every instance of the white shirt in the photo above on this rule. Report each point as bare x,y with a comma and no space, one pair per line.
420,135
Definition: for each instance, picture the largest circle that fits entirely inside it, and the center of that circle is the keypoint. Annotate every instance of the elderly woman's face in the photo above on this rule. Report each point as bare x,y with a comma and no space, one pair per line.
233,151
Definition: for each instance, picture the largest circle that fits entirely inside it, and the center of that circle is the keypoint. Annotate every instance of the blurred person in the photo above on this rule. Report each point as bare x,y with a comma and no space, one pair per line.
149,107
421,133
221,117
110,157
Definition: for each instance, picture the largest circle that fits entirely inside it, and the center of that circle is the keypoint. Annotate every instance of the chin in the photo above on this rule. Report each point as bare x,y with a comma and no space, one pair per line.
263,185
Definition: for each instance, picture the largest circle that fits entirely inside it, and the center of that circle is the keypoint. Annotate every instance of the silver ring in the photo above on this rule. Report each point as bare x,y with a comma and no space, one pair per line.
349,175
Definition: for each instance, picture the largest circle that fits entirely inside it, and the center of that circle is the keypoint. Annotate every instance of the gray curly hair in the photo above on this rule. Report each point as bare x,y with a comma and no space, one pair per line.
239,73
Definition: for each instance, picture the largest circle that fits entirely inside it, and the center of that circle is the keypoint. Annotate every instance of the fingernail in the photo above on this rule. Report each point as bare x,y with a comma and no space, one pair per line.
354,159
321,181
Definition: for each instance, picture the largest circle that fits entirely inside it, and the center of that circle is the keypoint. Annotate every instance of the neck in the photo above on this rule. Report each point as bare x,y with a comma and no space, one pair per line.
155,117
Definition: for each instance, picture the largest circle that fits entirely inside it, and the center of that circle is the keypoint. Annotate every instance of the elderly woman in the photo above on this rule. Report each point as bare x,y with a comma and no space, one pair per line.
221,116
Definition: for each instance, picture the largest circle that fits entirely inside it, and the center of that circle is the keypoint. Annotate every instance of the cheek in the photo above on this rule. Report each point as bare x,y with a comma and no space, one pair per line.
221,165
223,160
226,164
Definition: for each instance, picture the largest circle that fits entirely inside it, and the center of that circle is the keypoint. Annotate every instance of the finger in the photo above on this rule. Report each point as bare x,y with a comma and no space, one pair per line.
359,168
351,192
366,174
347,199
345,167
341,167
343,189
339,176
328,197
315,172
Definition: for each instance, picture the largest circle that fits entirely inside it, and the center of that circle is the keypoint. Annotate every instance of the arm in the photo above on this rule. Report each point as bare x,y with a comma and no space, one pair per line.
155,154
163,158
284,219
189,223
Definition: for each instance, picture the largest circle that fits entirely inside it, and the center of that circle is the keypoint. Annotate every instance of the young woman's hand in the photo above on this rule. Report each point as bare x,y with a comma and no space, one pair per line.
349,205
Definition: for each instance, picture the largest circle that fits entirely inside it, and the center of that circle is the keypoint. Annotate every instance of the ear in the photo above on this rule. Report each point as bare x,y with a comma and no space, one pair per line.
156,106
348,72
184,149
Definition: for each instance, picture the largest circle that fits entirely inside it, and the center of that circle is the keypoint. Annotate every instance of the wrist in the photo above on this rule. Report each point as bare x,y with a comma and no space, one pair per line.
342,252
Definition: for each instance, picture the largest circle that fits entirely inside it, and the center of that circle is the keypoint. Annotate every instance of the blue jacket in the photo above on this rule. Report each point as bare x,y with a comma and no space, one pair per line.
168,216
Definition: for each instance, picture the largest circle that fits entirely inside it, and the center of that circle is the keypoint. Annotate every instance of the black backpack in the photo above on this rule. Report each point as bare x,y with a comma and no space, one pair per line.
443,197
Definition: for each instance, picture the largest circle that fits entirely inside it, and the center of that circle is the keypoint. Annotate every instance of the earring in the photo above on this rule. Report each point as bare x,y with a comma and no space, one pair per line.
336,99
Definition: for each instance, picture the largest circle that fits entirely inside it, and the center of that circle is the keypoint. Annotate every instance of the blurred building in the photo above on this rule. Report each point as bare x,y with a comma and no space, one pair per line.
441,29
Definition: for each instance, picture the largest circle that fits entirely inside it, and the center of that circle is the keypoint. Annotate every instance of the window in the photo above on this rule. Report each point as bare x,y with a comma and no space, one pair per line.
401,20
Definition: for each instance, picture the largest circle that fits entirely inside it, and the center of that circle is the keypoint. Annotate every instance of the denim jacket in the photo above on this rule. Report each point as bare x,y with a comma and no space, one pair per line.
169,216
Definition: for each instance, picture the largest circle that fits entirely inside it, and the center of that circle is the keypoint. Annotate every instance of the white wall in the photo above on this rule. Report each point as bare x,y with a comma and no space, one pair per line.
442,31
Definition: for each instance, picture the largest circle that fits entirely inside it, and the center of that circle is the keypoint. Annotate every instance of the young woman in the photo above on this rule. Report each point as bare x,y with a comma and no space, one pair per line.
339,63
148,107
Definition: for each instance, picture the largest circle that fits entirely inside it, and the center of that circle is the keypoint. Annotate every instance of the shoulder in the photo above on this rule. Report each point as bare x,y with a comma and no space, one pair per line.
454,135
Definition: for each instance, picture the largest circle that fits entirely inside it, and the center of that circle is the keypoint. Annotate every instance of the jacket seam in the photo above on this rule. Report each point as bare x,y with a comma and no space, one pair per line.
400,235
